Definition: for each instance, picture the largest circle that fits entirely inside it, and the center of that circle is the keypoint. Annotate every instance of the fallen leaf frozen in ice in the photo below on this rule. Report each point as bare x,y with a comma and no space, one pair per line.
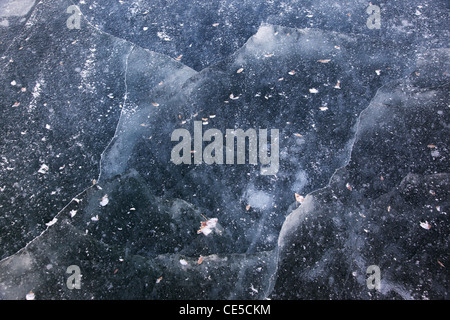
313,90
441,264
215,24
179,57
425,225
240,70
338,85
323,108
292,72
30,296
298,135
431,146
200,260
299,198
348,186
247,207
269,55
324,60
233,97
207,226
104,201
156,104
159,279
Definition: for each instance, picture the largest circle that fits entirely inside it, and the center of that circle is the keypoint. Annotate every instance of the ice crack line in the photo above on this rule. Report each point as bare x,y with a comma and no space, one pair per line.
55,218
122,112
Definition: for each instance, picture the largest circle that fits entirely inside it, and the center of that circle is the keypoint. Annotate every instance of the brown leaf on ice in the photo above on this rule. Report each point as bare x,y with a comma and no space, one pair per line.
324,60
425,225
155,104
338,85
299,198
240,70
441,264
247,207
298,135
200,260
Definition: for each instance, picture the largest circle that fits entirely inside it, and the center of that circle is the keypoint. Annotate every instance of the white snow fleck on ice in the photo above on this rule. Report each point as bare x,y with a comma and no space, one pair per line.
435,153
104,201
183,262
43,169
163,36
313,90
52,222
